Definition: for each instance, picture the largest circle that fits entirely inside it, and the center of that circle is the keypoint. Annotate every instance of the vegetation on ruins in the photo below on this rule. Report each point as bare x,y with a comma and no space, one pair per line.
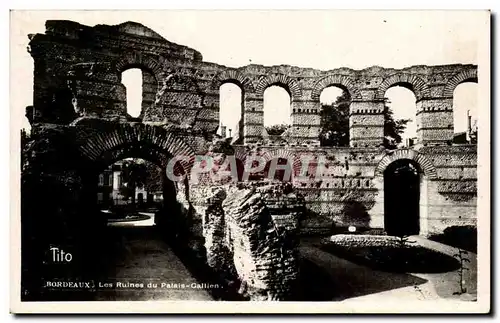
461,256
277,129
393,128
335,122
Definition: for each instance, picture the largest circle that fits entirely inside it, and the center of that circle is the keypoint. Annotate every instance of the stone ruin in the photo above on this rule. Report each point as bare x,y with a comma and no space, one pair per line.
80,125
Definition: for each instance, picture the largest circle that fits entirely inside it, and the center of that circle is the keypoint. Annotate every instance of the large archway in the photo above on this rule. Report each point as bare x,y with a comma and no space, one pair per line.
150,143
136,187
402,198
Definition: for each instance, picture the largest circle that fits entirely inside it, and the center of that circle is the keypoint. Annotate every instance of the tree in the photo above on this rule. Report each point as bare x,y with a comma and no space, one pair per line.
393,128
134,176
154,179
335,124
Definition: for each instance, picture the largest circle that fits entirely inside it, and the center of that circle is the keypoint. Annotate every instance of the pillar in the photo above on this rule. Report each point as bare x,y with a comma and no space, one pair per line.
366,123
424,203
306,118
253,118
434,121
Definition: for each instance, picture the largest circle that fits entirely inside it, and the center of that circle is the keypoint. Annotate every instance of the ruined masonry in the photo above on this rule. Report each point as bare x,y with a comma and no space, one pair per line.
80,125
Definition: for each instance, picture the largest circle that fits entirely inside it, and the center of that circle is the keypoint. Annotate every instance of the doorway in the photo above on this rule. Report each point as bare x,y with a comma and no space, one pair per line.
402,198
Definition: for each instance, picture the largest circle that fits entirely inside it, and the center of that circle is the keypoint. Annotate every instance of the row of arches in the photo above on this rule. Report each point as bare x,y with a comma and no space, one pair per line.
400,100
277,115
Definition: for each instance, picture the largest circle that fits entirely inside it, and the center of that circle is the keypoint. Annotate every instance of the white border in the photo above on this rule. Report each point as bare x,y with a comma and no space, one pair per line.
192,307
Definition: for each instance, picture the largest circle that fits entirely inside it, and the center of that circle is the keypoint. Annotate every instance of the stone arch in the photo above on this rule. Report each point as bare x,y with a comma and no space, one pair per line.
233,76
241,154
108,144
410,81
424,162
270,154
283,153
342,81
288,84
469,75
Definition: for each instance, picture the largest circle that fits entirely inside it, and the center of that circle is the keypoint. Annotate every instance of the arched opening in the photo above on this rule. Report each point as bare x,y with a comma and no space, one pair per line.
402,198
231,109
141,223
277,111
465,113
281,168
130,187
334,122
133,81
240,168
400,128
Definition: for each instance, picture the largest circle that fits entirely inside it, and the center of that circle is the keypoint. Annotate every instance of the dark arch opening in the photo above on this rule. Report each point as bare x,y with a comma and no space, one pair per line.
282,175
402,198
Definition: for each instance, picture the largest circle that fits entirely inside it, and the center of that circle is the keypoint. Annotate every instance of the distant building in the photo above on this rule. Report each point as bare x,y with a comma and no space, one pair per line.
470,135
410,142
110,183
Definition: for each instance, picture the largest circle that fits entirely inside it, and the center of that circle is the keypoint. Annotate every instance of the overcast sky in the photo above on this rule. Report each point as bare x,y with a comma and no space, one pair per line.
317,39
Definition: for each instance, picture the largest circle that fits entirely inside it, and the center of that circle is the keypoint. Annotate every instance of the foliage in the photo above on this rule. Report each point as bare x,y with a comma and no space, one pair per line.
134,175
335,124
154,179
277,129
462,259
403,241
355,213
462,237
393,128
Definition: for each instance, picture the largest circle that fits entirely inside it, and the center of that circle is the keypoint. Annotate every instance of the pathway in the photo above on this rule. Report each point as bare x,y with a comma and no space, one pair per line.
348,280
135,258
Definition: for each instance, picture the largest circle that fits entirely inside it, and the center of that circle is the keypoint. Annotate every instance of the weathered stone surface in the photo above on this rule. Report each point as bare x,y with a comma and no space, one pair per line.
265,250
78,67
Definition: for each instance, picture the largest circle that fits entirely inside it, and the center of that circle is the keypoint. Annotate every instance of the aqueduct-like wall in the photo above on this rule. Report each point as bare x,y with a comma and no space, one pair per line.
78,77
181,88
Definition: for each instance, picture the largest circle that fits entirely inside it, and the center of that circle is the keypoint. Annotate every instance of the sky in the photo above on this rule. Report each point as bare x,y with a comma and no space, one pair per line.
319,39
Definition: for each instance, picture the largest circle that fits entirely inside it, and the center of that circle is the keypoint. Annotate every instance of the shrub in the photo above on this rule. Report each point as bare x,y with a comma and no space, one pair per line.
463,237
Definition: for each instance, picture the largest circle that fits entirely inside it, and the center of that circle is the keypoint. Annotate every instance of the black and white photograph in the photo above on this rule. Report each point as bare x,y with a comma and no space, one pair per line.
188,161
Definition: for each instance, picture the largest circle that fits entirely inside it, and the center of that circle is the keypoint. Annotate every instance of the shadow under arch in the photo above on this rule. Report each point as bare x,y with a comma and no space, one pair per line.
111,142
